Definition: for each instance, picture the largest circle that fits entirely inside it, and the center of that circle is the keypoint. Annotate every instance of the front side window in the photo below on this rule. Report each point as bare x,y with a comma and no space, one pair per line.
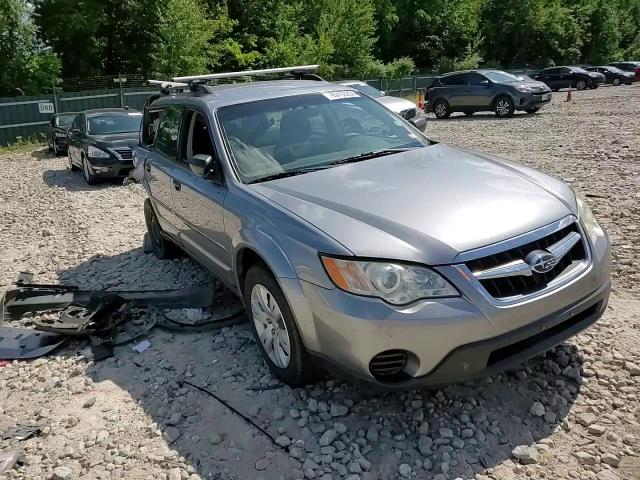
168,131
477,80
303,132
114,123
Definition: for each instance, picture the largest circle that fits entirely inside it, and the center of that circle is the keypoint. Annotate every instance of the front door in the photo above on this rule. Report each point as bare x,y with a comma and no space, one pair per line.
199,200
478,93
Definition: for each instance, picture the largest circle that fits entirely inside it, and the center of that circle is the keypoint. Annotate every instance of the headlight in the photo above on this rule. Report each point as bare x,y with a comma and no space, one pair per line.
523,89
61,135
97,153
394,283
587,218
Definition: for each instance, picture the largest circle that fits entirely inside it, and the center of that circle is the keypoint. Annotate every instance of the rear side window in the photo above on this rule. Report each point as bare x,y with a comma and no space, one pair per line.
477,80
454,80
168,132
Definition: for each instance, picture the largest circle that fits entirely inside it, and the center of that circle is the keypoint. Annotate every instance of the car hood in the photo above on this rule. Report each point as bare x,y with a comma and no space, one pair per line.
117,140
396,104
425,205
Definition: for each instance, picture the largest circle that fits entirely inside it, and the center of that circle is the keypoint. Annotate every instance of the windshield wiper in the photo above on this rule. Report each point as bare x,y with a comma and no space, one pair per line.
289,173
373,154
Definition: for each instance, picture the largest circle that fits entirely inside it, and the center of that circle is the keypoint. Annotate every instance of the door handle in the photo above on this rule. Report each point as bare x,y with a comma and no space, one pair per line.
177,185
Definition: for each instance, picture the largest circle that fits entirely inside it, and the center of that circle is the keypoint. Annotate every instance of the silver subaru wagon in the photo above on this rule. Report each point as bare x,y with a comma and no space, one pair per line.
357,244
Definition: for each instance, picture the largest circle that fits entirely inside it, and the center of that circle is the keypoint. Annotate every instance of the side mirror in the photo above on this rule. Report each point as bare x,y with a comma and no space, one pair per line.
73,132
201,164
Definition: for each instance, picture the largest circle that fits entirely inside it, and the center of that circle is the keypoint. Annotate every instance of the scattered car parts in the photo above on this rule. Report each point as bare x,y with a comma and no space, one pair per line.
23,343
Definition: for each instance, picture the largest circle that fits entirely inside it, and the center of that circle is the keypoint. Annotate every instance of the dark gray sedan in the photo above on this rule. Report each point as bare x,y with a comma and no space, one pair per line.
56,132
485,90
101,142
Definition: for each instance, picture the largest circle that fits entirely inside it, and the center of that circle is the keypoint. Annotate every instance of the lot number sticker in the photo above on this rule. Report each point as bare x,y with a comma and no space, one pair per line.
340,94
46,107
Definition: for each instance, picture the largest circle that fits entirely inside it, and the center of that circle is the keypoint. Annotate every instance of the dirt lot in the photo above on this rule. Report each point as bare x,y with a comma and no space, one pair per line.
574,413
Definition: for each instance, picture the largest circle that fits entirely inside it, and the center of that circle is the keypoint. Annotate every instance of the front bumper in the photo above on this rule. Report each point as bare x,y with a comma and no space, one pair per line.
61,143
110,167
533,100
448,340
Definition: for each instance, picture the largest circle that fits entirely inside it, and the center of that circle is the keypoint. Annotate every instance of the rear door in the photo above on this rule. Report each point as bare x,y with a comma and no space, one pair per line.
199,201
160,161
454,91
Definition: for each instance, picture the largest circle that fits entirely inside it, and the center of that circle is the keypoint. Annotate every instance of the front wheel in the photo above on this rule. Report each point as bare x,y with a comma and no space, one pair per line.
89,177
275,329
504,107
533,110
441,109
581,85
616,82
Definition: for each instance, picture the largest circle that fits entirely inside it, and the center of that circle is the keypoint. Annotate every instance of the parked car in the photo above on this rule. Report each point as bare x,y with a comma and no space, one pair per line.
101,142
360,246
485,90
629,66
569,77
56,132
613,75
403,107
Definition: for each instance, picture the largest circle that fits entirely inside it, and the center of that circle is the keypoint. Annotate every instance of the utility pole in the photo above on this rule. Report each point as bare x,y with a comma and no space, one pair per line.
55,98
120,80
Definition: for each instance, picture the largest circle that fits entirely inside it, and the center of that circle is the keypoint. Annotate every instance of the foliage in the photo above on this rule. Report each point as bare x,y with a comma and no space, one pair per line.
348,38
25,66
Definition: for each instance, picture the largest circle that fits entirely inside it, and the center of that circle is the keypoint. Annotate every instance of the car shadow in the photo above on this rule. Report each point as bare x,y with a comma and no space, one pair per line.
74,181
42,153
483,116
208,392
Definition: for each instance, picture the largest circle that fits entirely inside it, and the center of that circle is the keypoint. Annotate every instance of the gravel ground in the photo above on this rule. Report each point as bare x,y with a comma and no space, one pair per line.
573,413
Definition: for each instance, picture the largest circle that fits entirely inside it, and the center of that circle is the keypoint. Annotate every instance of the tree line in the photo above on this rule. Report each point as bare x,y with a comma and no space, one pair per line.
42,41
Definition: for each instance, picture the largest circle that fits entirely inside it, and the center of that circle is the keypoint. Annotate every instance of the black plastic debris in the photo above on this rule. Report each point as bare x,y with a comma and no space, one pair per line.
21,432
23,343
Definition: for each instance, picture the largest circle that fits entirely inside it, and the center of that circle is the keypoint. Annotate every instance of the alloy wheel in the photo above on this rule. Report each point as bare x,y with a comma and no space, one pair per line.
616,82
502,108
270,326
441,110
581,85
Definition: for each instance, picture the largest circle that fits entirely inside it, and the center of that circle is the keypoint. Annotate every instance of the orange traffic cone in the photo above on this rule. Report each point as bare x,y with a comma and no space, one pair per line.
569,95
420,102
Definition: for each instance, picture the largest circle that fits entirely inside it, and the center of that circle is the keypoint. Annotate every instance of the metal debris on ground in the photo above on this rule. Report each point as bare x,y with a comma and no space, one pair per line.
107,317
22,343
95,353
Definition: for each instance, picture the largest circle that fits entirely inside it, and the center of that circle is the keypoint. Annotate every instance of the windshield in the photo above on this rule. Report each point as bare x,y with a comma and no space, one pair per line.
111,123
272,137
65,120
366,89
501,77
579,70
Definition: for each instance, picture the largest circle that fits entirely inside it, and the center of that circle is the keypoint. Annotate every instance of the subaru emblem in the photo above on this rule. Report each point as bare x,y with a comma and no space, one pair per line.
541,261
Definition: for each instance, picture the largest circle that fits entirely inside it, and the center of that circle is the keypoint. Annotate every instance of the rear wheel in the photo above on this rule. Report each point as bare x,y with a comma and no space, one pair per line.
89,177
441,109
581,85
275,329
532,110
161,247
504,107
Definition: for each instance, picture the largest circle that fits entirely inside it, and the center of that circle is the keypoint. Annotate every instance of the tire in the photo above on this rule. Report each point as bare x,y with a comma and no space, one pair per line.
161,247
72,166
56,152
581,85
533,110
275,329
89,177
441,109
616,82
504,107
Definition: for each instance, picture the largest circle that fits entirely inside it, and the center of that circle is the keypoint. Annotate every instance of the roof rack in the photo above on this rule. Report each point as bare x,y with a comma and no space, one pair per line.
300,72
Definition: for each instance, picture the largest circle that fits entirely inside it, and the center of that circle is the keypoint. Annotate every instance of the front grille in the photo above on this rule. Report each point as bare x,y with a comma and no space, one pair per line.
388,364
124,153
523,285
409,114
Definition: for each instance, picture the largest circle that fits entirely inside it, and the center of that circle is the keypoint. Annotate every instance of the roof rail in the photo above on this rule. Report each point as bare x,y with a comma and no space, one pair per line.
166,84
248,73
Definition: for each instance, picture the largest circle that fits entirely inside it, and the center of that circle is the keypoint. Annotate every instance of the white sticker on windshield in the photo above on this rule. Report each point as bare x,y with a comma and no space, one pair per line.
340,94
134,114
